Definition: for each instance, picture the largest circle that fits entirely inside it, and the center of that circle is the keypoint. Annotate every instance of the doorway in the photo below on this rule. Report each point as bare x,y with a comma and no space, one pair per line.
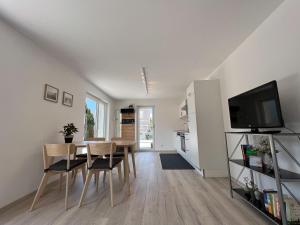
145,127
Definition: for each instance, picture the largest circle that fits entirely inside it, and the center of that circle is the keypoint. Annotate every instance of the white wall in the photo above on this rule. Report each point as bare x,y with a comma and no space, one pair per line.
272,52
27,121
166,113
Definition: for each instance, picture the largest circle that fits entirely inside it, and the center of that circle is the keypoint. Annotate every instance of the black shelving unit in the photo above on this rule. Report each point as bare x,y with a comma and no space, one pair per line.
280,176
257,205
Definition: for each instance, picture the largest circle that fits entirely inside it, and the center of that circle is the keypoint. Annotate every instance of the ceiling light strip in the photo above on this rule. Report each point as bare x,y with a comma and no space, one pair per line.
144,79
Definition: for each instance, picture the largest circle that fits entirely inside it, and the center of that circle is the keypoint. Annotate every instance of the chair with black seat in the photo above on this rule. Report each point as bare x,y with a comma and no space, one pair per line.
84,155
102,163
50,151
120,152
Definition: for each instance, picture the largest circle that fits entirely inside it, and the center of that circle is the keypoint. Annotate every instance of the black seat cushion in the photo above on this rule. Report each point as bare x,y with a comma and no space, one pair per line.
121,149
117,154
84,156
62,165
104,163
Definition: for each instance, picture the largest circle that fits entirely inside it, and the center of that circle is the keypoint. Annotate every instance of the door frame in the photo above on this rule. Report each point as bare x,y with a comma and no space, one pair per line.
138,125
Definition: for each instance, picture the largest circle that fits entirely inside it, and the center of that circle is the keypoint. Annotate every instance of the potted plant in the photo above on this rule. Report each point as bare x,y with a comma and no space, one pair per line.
251,190
68,132
89,123
246,187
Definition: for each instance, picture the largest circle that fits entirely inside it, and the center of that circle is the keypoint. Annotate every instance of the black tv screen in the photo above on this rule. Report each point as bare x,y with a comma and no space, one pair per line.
257,108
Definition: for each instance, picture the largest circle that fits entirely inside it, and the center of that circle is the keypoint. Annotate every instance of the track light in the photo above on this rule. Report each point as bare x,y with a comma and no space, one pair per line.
144,79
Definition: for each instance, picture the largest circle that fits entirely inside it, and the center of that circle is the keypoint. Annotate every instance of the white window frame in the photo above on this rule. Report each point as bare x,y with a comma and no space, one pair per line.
106,120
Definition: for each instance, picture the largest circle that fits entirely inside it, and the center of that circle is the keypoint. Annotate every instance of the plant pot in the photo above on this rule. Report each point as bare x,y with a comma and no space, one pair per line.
252,196
68,139
257,195
268,161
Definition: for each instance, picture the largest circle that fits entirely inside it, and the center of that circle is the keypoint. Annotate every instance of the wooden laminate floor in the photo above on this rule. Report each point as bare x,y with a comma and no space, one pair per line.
159,197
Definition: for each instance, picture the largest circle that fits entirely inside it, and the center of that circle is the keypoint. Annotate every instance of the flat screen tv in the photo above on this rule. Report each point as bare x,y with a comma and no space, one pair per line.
257,108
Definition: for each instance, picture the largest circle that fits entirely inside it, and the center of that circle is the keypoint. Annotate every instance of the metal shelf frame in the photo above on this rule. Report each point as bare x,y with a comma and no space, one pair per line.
280,183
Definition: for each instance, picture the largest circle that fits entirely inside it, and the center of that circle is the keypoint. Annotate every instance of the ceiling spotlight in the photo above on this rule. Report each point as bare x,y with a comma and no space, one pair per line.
144,78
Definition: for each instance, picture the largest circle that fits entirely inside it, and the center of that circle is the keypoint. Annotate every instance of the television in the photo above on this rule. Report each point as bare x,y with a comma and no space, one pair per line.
257,108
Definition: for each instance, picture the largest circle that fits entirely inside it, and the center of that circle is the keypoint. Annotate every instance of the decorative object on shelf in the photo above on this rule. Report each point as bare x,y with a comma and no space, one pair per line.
246,188
51,93
68,132
89,123
248,150
268,162
67,99
263,145
263,148
255,161
257,195
292,210
252,189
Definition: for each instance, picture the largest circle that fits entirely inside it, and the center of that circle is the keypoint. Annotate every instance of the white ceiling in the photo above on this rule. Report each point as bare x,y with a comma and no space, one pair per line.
109,40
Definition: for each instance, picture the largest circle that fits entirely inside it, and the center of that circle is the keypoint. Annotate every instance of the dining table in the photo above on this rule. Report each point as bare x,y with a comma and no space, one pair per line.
124,144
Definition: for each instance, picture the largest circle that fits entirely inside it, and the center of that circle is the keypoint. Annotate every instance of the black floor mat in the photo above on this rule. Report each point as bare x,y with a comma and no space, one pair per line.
174,162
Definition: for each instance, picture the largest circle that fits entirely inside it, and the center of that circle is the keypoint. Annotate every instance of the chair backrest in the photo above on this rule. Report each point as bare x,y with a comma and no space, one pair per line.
96,139
57,150
100,149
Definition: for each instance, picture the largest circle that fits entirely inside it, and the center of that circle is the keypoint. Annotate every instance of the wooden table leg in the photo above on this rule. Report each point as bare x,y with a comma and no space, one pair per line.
126,163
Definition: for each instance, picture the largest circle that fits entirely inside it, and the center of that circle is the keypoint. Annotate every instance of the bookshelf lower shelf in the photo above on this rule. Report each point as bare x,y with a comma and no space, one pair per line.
257,205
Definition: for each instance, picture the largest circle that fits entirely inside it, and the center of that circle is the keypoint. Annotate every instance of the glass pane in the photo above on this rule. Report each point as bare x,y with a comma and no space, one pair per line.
101,121
90,119
146,128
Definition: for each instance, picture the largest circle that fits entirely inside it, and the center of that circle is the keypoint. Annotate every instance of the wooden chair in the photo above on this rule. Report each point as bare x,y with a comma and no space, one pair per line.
101,163
84,156
121,150
50,151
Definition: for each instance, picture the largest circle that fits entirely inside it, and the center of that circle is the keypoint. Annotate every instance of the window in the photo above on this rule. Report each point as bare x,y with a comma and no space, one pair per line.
96,117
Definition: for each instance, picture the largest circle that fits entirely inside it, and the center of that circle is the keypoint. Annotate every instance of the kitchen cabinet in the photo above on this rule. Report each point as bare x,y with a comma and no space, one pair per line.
205,142
183,110
188,147
192,149
177,142
190,98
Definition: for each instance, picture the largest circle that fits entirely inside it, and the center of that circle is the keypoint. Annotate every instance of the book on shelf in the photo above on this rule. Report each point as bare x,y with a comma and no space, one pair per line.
292,210
248,150
272,206
271,203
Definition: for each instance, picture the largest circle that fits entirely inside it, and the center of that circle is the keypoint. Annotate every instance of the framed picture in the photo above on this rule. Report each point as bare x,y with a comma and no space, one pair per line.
51,93
67,99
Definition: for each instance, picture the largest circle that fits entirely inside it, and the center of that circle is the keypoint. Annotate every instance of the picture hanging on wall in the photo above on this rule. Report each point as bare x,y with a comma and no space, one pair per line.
51,93
67,99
